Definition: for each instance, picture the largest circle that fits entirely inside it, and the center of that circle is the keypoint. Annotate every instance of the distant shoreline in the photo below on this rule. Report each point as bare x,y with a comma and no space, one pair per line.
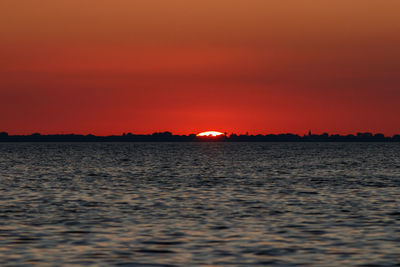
169,137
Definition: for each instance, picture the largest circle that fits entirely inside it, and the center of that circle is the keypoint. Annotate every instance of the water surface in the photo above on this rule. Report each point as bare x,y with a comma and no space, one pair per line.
196,204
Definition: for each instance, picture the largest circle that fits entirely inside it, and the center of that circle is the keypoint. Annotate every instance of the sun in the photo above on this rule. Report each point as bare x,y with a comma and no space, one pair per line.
210,134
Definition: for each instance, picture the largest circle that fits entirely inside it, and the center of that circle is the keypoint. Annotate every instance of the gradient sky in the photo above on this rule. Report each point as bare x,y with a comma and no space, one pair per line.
107,67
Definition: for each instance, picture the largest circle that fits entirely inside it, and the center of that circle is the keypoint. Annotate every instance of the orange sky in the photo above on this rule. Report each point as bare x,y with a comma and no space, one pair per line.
257,66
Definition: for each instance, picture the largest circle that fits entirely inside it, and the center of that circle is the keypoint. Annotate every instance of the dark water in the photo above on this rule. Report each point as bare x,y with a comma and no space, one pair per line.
196,204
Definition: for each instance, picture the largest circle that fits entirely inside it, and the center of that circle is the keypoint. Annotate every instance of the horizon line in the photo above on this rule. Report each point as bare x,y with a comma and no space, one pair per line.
224,134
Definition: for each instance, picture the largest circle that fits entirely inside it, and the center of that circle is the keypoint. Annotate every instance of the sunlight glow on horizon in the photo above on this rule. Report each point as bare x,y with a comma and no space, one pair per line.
210,133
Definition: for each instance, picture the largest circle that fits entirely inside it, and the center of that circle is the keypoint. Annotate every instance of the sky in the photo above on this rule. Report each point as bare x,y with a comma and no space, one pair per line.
143,66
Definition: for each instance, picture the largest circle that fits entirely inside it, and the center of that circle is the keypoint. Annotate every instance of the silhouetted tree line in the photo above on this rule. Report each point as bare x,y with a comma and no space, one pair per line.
169,137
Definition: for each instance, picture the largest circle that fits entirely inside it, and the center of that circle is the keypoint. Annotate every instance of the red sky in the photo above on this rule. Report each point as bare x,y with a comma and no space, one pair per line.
257,66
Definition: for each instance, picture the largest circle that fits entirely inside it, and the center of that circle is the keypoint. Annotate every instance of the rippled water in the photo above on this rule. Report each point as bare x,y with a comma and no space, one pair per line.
188,204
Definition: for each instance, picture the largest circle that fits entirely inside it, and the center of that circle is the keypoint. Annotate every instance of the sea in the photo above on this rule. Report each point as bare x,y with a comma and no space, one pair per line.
200,204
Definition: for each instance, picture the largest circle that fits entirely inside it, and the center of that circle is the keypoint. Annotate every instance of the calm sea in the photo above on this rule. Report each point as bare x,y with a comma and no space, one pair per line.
197,204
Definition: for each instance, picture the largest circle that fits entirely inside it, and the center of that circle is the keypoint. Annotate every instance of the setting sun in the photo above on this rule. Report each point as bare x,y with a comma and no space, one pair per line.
210,133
